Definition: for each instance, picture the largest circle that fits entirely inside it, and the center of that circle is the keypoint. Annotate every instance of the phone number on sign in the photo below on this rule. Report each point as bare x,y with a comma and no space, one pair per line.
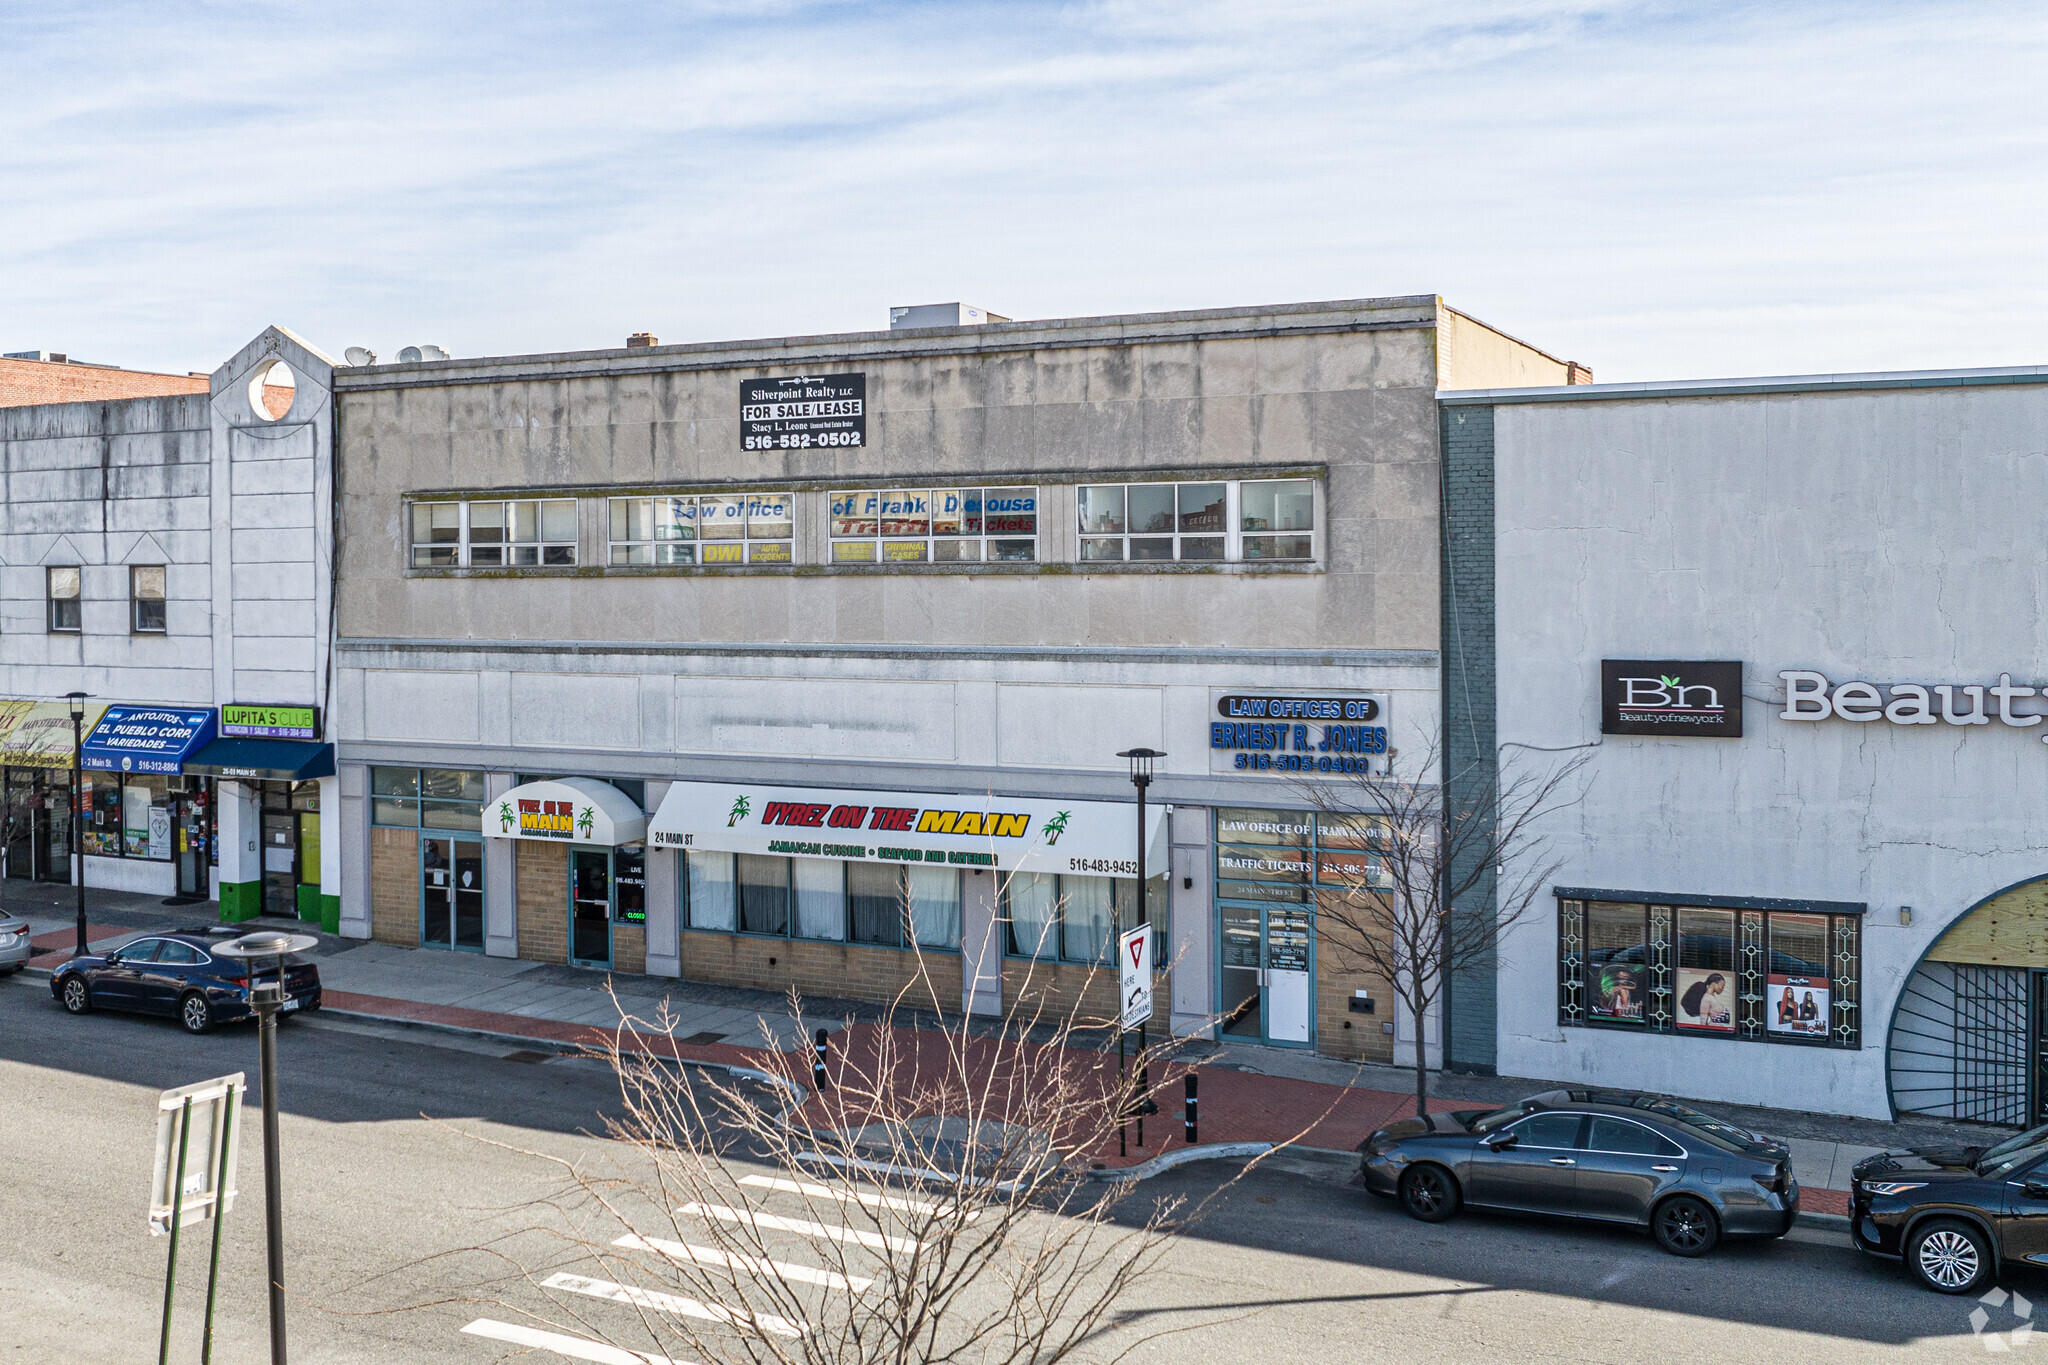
1112,866
1301,763
804,442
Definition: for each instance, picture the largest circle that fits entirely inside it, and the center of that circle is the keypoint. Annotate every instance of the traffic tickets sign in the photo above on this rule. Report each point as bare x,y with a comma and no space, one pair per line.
1134,976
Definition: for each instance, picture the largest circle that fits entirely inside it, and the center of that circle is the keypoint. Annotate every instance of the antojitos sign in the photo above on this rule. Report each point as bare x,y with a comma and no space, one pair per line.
1098,837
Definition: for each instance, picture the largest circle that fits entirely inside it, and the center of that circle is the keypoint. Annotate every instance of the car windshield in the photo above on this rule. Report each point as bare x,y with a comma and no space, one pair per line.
1693,1118
1487,1122
2033,1137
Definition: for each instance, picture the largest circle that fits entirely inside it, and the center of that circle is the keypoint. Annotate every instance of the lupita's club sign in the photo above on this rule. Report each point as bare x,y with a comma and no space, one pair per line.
1671,698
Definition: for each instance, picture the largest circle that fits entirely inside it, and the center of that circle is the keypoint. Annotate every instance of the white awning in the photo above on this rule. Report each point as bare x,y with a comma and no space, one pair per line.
1032,834
566,810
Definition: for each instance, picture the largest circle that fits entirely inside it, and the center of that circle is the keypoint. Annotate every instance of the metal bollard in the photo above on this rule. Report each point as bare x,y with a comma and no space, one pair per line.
818,1080
1190,1109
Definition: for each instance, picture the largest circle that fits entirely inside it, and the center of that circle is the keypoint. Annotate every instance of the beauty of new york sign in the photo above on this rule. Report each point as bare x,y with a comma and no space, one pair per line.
1809,696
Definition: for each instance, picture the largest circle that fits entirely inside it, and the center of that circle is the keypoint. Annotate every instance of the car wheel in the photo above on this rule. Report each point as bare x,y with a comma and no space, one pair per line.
1428,1193
77,997
1685,1226
195,1012
1948,1257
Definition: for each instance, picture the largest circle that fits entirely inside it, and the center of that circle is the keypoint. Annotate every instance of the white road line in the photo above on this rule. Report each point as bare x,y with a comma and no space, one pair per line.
801,1274
671,1303
845,1196
576,1348
797,1225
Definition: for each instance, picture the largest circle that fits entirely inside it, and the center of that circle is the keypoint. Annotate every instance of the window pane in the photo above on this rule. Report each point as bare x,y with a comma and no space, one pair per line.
1201,507
906,512
675,518
854,552
764,894
452,784
486,523
768,552
557,554
1616,955
1151,547
956,549
1282,505
523,522
451,815
855,514
1201,547
629,515
388,810
1706,970
733,553
722,518
64,583
1086,918
1017,550
935,906
820,897
768,516
1796,990
148,581
1011,512
710,890
1101,551
970,511
903,551
1102,510
1151,507
874,901
486,556
633,554
436,523
525,554
947,507
433,556
1278,547
394,781
1032,898
675,554
558,519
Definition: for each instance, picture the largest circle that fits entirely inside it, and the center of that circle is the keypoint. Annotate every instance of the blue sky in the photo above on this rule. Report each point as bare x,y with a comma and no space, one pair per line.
1656,190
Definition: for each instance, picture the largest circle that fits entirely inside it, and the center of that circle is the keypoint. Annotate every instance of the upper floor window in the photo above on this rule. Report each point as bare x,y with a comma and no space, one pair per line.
737,528
494,534
63,586
945,525
1137,522
146,610
436,798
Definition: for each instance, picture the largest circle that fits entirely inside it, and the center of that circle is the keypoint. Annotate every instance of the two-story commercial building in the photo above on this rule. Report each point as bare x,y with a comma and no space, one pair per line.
809,661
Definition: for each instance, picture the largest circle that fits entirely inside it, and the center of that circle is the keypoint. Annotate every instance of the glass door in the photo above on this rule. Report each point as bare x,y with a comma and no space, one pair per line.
590,907
1241,959
22,799
280,851
1289,973
191,814
452,894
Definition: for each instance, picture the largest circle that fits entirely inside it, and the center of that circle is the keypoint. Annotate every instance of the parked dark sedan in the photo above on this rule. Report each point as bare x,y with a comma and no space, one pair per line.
1954,1217
1613,1156
178,975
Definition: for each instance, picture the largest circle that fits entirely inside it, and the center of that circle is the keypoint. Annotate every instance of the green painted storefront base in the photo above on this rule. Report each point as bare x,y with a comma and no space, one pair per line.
323,910
240,901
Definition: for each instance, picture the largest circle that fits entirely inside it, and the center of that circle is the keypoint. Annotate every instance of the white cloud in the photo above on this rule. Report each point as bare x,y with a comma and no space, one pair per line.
1657,190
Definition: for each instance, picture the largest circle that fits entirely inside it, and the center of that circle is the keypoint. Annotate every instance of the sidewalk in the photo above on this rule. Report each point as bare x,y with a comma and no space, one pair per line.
1247,1093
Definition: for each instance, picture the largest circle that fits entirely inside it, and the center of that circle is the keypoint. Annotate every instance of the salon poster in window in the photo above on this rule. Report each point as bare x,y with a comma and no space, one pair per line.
1706,1000
1617,991
1796,1006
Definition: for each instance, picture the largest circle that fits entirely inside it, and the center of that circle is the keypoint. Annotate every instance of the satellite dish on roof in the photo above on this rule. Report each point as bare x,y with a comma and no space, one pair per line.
412,355
360,355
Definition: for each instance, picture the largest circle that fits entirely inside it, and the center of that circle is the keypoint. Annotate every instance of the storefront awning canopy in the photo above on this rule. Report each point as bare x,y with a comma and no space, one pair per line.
268,760
1098,838
38,734
566,810
147,739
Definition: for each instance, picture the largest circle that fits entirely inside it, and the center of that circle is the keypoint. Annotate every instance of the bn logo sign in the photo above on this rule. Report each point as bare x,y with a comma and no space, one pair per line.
1671,698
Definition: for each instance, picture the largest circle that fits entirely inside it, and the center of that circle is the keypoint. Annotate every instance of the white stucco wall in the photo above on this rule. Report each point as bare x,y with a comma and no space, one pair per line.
1890,535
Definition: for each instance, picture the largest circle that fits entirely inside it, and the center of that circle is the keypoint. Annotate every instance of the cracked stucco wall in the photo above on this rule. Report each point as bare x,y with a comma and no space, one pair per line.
1889,535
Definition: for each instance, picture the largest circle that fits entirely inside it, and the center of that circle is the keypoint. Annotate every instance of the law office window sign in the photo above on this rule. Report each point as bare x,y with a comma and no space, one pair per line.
934,525
1334,733
1671,698
721,528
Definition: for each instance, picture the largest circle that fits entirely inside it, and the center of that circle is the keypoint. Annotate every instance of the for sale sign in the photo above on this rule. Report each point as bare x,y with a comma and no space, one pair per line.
804,412
1134,975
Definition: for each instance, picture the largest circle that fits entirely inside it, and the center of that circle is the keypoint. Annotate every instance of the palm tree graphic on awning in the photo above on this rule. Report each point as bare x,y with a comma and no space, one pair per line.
740,807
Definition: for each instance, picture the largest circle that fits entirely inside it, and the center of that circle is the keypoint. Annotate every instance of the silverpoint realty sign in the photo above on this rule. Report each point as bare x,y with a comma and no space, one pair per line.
804,412
1671,698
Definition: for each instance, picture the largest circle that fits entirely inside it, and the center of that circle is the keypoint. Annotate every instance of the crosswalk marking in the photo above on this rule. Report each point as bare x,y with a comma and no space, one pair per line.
670,1303
845,1196
801,1274
576,1348
770,1222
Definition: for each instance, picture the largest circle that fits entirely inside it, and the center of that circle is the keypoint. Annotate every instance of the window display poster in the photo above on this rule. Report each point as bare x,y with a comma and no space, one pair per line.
159,832
1796,1005
1706,1000
1617,993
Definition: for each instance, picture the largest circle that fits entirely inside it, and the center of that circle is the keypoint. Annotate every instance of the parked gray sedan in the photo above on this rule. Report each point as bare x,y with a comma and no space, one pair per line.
1613,1156
14,944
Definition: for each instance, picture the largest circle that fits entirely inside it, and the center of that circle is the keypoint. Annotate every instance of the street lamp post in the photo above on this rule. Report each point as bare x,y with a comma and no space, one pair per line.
77,700
1141,761
267,997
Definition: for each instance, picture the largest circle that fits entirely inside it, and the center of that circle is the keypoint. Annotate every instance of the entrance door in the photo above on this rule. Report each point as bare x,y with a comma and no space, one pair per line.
1268,973
452,894
192,814
590,907
280,851
21,815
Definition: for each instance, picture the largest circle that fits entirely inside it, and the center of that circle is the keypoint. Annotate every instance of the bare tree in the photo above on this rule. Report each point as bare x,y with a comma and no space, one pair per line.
938,1197
1431,869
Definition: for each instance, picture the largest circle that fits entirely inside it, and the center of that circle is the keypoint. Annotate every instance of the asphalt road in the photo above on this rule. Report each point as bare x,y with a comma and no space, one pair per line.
1291,1265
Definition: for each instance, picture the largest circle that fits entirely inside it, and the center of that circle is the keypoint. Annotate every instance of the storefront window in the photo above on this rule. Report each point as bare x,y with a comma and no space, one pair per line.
1075,918
1753,974
629,884
433,798
128,815
764,894
539,532
708,891
822,898
934,525
738,528
1140,522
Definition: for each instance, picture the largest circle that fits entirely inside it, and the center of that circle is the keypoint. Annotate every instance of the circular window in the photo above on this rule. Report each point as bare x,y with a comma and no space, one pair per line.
271,390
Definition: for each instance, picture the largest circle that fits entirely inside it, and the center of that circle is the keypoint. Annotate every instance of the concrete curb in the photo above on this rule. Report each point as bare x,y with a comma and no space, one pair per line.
1166,1161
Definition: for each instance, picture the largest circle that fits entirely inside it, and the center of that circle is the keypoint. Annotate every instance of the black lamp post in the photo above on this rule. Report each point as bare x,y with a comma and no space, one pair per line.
1142,762
77,700
267,997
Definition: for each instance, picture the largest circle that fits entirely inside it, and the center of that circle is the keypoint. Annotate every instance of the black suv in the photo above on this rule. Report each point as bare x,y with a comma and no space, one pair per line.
1955,1216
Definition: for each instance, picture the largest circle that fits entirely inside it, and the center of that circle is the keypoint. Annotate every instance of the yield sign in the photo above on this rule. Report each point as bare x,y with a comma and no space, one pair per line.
1134,975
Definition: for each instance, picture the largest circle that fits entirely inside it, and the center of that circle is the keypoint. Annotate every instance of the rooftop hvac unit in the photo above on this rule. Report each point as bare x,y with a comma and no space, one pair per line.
941,315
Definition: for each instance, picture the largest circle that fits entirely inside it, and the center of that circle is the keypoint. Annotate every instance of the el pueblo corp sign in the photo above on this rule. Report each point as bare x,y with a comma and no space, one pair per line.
1671,698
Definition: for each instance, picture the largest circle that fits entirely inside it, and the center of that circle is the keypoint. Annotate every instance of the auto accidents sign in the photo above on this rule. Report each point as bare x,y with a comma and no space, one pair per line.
804,412
1134,975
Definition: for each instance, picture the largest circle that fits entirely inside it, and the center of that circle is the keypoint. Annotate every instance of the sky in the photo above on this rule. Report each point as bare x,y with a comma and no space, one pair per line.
1655,190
